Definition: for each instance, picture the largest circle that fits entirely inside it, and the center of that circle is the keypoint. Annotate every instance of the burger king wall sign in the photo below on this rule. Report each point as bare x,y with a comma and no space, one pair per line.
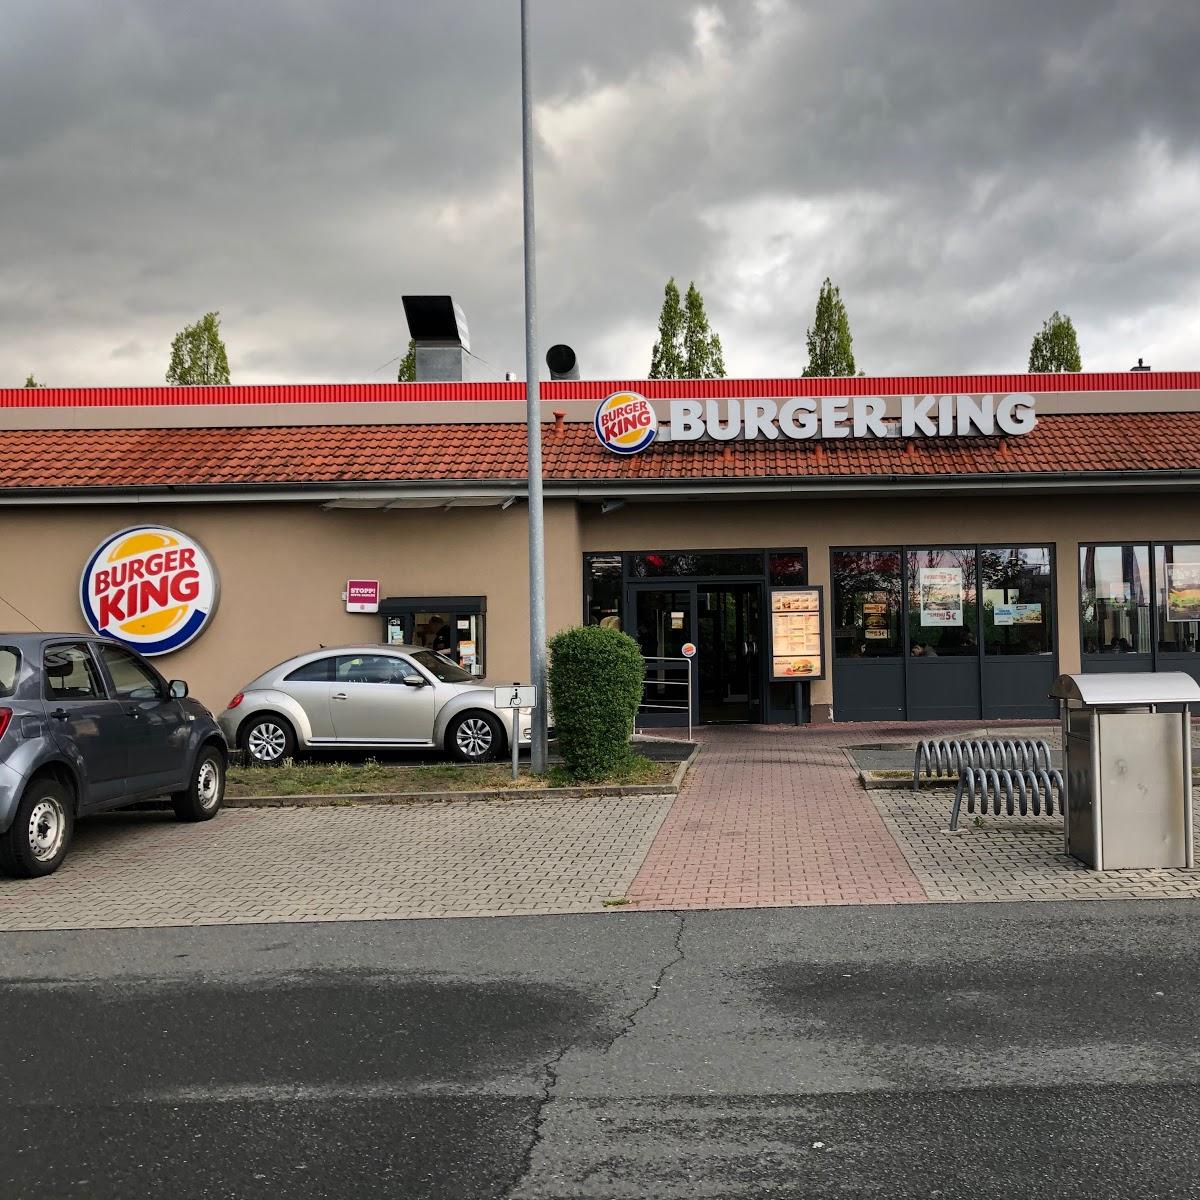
151,587
626,423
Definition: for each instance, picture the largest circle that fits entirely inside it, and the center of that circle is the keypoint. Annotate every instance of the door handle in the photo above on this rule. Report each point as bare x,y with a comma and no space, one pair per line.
60,714
339,695
133,711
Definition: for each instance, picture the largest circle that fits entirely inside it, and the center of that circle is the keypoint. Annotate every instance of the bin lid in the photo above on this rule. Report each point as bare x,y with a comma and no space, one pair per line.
1114,690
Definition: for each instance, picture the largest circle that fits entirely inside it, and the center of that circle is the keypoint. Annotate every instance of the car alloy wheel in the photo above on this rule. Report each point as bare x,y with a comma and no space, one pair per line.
267,742
47,828
208,784
474,737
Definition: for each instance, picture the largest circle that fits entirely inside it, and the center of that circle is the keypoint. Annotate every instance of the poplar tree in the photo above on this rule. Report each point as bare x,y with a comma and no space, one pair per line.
408,364
686,347
830,346
198,353
1056,348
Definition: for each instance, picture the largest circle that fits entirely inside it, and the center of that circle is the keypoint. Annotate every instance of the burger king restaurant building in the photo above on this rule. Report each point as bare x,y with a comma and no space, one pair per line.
846,549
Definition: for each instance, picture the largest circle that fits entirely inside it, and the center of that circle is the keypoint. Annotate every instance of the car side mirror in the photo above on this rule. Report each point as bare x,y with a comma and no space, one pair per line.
414,681
178,689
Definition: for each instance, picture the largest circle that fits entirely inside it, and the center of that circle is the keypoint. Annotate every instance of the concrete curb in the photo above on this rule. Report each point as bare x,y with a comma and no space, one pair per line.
582,792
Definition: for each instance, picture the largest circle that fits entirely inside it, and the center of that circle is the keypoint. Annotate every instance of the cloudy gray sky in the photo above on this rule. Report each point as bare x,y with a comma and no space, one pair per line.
959,167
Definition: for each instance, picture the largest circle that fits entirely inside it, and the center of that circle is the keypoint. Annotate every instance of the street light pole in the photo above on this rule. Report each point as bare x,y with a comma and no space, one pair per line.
533,424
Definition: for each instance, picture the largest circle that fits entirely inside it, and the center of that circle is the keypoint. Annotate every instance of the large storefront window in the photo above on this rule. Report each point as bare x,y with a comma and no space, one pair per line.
941,602
1177,583
942,633
1017,607
866,603
1114,599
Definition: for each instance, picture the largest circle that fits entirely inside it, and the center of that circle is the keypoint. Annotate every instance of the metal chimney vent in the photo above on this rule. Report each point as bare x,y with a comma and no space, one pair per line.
438,327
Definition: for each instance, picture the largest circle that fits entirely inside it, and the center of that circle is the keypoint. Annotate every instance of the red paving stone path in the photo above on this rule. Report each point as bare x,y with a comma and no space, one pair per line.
775,816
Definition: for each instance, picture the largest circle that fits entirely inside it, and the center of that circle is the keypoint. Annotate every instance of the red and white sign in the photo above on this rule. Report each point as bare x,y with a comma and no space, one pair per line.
688,650
362,595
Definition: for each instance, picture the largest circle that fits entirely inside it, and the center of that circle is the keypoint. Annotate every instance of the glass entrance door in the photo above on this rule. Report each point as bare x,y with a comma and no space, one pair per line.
729,627
663,621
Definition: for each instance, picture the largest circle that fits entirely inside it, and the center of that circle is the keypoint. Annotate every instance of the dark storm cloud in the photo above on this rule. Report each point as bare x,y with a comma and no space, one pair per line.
959,168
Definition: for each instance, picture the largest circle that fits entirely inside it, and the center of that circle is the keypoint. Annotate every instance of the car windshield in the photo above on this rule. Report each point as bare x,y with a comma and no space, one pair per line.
10,663
441,668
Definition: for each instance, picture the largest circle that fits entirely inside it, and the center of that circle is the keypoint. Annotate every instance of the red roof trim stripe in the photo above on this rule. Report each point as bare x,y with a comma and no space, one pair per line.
594,389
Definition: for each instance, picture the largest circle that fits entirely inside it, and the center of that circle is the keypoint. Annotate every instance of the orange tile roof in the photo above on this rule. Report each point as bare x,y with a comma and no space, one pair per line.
60,459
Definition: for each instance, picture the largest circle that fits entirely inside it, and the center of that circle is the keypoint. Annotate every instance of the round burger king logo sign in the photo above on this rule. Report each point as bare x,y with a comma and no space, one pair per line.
626,423
151,587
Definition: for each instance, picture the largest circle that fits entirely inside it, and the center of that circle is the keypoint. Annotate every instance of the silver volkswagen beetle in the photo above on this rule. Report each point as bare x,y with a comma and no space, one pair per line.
365,697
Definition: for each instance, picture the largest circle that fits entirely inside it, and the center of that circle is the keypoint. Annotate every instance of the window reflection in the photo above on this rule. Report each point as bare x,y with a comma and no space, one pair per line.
1017,599
942,616
1177,582
866,603
1114,599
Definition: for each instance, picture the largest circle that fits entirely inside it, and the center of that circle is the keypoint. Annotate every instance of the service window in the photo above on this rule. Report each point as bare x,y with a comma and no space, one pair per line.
602,589
451,626
1114,599
1017,600
866,603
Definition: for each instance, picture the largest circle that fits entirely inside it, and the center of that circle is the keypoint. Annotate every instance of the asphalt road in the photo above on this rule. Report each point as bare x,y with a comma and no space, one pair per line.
953,1051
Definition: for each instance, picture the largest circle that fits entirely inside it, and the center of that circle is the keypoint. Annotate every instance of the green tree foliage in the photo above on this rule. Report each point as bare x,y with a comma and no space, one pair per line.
686,347
830,346
1056,348
198,353
408,364
30,382
595,687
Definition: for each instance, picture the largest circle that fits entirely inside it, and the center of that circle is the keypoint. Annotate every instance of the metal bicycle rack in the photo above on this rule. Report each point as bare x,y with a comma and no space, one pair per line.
946,758
1006,792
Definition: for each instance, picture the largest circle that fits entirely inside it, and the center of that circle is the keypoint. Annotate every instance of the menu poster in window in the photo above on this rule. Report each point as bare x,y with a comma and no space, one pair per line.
797,639
941,595
1183,591
876,616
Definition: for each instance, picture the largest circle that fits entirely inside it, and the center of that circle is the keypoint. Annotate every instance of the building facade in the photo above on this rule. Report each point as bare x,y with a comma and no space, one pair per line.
847,549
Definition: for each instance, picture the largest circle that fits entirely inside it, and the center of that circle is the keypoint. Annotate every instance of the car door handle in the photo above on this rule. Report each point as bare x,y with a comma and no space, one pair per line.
339,695
60,714
133,711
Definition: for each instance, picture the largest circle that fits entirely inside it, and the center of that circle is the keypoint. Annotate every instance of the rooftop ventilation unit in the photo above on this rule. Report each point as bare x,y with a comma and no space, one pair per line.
438,328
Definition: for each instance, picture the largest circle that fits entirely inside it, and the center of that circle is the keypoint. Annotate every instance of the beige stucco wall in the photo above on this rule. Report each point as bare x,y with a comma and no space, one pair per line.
1063,521
283,568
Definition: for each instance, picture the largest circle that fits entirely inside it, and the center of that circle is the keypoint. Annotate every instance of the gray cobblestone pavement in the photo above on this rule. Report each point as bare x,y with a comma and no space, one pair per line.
1007,858
333,864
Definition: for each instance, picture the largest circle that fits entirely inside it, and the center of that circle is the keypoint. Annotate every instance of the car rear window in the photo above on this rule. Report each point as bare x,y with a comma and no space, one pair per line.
10,667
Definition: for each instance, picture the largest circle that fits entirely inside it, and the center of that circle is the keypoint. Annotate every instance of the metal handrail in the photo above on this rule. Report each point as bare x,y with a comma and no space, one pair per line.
659,658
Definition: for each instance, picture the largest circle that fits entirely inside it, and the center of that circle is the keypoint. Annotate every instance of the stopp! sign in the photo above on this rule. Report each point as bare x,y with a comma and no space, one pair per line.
151,587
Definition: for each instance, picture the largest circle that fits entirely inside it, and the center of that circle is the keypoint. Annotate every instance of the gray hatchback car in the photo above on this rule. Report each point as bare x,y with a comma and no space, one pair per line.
87,725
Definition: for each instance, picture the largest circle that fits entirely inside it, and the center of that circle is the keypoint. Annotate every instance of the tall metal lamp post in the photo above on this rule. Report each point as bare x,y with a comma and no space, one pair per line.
533,423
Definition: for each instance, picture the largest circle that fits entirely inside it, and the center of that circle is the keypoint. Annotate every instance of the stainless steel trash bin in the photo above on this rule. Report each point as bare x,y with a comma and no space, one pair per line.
1128,768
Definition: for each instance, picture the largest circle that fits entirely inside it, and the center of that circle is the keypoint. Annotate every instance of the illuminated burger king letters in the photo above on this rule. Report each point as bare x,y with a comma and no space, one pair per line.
627,423
151,587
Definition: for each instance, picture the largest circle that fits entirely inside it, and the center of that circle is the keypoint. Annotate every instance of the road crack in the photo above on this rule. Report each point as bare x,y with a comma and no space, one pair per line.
550,1068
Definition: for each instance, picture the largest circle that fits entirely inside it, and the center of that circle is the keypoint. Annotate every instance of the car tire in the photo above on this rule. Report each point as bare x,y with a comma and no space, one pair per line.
205,790
267,740
474,737
40,836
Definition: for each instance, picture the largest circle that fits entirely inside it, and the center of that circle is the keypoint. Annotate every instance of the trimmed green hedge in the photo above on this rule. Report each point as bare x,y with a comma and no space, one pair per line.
595,688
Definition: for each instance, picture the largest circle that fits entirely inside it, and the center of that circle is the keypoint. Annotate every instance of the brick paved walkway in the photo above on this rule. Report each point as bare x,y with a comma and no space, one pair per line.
332,864
775,816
